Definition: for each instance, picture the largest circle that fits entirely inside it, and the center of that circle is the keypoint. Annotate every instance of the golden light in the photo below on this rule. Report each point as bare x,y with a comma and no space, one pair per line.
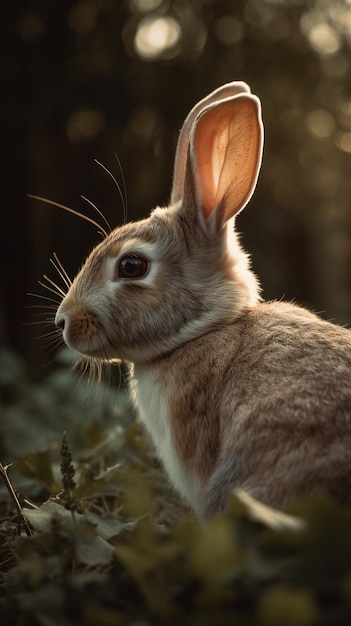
324,39
320,123
146,6
156,36
343,141
84,124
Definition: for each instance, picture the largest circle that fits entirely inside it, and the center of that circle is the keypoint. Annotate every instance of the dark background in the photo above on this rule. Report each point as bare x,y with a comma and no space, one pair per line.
85,80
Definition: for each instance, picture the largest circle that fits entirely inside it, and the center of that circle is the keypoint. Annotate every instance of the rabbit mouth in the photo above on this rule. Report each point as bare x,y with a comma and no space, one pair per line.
98,349
83,333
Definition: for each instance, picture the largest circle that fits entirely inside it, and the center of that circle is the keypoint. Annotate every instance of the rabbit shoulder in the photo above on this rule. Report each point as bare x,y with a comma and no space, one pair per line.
264,403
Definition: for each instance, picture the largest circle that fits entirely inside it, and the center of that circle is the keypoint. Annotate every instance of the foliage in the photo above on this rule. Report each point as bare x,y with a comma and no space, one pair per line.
117,547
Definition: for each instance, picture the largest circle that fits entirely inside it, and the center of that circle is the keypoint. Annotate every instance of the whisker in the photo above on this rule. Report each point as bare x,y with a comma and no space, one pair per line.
98,210
46,307
82,366
38,295
92,367
39,323
125,203
124,208
52,337
66,208
51,282
48,310
60,270
52,334
53,360
49,288
52,347
133,386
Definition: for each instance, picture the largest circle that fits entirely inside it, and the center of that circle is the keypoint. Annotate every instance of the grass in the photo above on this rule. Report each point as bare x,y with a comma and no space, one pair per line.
93,535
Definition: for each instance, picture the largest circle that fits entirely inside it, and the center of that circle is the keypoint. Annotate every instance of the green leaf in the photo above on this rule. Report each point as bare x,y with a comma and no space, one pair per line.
37,466
89,548
107,526
288,606
43,517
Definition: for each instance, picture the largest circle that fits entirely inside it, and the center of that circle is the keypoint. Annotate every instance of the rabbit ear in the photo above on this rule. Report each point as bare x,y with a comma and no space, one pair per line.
226,91
224,157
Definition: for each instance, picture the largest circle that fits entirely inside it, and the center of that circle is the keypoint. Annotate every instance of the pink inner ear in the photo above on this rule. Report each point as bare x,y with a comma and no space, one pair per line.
227,146
224,92
209,167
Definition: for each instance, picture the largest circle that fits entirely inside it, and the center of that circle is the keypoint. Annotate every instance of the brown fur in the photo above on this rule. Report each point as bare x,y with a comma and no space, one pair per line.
279,401
234,392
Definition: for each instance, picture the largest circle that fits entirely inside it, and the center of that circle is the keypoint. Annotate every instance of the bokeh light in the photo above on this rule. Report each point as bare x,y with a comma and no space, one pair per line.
320,123
82,17
31,27
84,124
157,36
145,6
343,141
229,30
324,39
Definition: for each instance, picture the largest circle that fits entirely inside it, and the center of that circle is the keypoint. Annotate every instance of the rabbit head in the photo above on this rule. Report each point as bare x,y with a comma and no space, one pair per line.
155,284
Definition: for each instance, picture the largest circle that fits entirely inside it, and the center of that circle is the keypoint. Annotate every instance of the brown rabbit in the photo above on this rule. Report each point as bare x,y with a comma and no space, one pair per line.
234,392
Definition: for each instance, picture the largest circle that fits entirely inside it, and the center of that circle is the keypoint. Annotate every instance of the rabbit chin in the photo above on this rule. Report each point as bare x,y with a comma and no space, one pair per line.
93,348
102,350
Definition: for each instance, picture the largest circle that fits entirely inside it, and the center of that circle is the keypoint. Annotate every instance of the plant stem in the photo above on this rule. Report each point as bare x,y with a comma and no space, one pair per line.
21,518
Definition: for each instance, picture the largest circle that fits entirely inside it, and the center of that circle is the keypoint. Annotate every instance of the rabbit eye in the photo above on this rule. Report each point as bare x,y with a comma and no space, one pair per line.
132,266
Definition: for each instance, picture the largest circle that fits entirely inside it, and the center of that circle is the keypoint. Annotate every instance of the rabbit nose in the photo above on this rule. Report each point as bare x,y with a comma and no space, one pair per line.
61,321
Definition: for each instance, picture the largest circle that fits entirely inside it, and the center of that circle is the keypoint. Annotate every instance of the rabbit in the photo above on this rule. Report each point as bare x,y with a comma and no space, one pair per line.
235,392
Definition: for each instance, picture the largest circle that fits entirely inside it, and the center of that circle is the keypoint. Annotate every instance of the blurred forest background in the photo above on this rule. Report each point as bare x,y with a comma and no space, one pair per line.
83,80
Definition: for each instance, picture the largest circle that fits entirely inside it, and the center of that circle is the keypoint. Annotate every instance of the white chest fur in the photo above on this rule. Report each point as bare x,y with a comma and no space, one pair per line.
154,411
